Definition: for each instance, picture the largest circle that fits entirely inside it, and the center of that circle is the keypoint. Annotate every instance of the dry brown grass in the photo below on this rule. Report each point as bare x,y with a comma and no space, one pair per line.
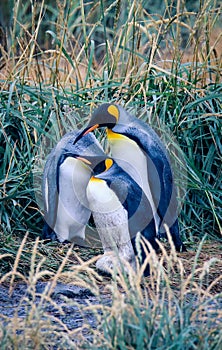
187,279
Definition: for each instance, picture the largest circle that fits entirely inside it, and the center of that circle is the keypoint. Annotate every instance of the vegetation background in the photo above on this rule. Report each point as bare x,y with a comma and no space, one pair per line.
58,61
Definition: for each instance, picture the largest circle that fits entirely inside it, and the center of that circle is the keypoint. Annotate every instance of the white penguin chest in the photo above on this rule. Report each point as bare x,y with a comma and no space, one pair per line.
73,179
131,158
100,197
72,210
133,161
109,215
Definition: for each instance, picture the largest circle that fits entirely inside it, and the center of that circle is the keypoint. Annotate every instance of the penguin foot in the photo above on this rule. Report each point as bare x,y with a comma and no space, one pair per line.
105,264
48,233
181,248
109,262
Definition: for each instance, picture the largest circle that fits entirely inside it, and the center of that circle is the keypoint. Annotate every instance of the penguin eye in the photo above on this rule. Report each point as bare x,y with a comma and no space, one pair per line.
108,163
113,110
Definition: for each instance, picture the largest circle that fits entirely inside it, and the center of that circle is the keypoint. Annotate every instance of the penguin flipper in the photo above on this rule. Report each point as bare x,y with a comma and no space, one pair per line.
50,194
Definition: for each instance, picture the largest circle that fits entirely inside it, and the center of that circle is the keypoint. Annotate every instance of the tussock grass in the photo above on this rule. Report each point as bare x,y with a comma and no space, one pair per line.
175,307
163,63
89,55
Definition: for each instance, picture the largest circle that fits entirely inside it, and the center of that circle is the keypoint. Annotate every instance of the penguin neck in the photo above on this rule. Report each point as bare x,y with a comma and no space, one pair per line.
129,157
100,197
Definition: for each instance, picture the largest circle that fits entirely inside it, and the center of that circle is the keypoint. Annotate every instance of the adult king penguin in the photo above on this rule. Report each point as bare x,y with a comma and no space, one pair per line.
120,210
65,179
139,151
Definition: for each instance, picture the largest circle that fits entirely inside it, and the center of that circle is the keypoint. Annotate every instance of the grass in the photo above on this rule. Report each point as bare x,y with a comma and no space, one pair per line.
178,306
164,64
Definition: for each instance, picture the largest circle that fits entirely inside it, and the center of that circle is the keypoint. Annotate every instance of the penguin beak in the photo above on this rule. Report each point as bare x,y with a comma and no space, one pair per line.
85,132
84,160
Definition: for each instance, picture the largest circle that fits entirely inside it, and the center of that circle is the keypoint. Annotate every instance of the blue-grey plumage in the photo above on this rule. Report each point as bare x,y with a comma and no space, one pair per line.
140,152
65,178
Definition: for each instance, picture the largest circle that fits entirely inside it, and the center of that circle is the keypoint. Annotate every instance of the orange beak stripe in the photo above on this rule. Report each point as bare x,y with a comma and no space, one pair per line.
91,129
84,160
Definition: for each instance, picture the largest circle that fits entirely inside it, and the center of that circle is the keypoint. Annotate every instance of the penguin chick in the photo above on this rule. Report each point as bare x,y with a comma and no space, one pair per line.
65,178
120,210
139,151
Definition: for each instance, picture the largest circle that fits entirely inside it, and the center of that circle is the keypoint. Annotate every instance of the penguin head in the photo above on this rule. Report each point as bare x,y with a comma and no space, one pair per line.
102,168
106,115
97,163
88,147
109,172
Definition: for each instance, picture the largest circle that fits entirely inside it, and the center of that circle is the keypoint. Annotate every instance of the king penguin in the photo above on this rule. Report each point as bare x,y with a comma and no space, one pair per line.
65,179
139,151
121,211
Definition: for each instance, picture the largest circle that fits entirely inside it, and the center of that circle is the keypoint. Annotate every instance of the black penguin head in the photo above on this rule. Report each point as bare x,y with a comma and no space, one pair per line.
102,170
98,164
106,115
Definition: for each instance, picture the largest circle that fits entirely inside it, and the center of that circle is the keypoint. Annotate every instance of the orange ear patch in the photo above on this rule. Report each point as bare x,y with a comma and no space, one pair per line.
113,110
108,163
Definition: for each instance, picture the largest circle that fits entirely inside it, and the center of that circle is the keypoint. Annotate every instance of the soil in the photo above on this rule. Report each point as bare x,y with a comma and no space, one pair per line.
69,298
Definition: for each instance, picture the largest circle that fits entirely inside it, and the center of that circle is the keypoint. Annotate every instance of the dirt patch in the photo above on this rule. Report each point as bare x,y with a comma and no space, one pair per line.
64,307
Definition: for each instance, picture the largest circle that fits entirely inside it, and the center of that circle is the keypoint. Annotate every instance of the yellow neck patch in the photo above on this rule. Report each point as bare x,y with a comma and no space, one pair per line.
95,179
113,110
115,136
